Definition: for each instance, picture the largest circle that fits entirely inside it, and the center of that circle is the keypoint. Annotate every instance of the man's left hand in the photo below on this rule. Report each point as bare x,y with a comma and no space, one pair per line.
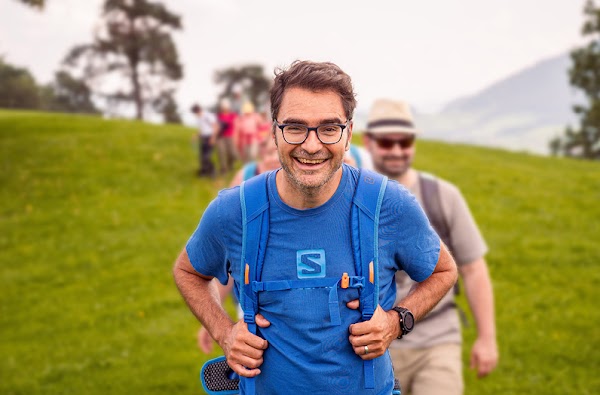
370,339
484,356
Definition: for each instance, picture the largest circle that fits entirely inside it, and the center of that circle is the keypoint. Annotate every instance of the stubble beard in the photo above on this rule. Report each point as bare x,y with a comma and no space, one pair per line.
394,171
304,187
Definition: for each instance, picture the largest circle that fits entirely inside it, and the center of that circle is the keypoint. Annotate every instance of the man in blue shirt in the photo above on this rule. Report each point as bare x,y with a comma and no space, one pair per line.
297,349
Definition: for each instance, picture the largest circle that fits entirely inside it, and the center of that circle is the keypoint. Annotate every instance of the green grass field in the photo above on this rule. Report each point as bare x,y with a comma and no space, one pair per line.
94,212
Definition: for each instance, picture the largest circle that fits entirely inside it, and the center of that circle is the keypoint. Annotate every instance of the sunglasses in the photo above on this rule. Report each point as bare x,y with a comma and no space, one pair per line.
388,143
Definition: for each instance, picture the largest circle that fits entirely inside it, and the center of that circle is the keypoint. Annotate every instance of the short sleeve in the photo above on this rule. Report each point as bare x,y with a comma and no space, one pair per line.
467,243
205,247
416,246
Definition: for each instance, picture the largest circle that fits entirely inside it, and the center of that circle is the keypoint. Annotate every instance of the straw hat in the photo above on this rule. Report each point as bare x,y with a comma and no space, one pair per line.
390,116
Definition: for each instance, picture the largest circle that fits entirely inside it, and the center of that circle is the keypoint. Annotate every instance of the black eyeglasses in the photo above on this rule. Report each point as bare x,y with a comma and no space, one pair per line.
328,133
389,143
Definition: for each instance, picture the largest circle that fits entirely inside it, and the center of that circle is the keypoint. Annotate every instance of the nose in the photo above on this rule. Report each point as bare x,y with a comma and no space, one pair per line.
397,149
312,142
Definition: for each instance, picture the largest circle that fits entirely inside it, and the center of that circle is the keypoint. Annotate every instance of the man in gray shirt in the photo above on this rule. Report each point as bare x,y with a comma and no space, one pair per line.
428,360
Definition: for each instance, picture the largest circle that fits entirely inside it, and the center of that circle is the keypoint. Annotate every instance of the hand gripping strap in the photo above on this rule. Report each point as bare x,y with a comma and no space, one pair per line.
255,231
365,224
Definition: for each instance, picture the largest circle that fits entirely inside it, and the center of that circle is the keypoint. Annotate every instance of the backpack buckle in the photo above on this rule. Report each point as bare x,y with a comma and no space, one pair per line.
357,282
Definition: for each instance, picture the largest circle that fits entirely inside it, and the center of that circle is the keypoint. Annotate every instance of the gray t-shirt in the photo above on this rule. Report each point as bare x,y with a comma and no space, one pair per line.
442,324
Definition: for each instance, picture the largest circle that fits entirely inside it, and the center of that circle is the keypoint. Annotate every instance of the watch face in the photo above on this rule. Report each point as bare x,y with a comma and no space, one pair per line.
408,321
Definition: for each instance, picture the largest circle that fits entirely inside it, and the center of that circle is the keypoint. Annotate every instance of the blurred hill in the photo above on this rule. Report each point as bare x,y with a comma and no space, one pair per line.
522,112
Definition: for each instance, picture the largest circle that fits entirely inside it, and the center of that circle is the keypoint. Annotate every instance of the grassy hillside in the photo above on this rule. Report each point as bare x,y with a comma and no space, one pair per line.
94,212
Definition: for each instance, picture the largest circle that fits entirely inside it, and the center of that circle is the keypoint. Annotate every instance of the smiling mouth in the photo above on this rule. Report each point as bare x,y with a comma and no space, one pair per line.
310,161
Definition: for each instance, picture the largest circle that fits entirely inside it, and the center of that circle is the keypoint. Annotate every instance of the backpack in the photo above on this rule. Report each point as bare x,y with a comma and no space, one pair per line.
366,205
250,170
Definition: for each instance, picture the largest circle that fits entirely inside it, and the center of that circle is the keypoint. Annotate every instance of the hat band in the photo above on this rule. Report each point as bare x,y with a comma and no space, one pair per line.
390,122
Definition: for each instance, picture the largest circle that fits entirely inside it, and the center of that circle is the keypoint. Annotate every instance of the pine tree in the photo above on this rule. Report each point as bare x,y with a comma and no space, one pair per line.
584,142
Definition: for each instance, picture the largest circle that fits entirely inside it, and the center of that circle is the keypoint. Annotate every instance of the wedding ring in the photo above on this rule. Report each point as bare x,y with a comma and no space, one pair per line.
366,350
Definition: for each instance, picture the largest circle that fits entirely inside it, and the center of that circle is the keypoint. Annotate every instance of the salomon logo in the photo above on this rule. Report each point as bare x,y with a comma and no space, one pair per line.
310,263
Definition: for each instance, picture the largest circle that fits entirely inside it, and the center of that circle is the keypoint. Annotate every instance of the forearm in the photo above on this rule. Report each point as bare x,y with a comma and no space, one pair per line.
202,297
479,292
426,294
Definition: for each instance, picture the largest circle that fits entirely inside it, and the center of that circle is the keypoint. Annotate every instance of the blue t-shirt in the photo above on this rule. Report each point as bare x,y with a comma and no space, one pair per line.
306,353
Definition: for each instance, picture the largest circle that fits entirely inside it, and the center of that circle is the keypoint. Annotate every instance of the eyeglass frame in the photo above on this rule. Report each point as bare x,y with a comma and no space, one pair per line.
343,126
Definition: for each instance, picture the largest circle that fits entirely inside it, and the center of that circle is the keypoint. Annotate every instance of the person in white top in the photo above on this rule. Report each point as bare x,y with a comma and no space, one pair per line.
207,134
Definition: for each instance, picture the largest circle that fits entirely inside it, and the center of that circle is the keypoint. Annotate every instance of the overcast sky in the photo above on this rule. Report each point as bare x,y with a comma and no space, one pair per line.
424,51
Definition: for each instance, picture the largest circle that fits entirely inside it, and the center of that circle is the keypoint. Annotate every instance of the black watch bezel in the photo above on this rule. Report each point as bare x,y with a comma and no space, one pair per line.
403,313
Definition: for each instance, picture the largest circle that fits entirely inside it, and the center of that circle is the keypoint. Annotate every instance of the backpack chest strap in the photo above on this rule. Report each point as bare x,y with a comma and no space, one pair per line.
346,281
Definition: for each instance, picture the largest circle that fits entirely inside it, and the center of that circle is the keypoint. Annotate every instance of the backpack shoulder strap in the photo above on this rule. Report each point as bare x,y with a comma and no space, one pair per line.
432,204
366,207
254,202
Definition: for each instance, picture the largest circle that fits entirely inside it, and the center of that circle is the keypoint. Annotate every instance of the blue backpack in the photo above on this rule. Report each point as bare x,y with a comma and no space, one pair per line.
368,196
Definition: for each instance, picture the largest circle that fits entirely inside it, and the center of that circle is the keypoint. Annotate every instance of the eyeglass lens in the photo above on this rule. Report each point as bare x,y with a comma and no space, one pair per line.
387,143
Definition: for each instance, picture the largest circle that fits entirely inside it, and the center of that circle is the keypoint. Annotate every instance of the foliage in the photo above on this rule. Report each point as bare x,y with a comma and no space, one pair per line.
69,94
134,42
584,142
18,88
167,106
34,3
250,78
94,213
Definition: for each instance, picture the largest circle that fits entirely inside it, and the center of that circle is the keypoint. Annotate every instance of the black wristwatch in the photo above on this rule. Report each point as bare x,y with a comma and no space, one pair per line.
407,320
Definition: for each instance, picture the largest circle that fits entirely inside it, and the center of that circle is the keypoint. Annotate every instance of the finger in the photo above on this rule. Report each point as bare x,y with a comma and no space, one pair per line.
262,321
367,353
360,328
353,304
243,371
257,343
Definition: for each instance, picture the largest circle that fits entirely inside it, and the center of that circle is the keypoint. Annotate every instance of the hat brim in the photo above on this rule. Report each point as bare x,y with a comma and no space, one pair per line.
392,129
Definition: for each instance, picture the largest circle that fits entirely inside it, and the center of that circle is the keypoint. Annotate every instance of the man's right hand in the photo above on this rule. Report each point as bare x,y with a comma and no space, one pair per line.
244,350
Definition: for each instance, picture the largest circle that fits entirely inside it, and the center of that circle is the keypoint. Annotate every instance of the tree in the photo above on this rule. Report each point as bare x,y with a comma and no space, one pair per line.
167,106
133,42
68,94
584,74
34,3
254,83
18,88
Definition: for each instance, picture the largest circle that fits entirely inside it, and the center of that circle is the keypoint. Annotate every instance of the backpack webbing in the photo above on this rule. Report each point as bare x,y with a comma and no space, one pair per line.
432,204
364,224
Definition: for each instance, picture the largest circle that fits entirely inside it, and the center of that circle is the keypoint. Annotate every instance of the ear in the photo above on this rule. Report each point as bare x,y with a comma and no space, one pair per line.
349,138
366,140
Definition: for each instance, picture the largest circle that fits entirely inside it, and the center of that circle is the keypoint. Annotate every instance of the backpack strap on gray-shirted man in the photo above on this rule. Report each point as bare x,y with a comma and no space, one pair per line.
432,204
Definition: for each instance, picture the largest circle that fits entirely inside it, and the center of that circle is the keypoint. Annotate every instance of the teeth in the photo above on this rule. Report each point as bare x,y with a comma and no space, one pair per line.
311,161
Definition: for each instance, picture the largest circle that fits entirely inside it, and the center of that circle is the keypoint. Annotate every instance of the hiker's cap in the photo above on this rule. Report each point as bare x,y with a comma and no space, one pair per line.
390,116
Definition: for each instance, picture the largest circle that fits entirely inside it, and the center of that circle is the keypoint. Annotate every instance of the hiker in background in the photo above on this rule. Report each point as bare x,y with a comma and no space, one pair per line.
225,143
264,126
246,132
267,160
308,314
207,134
429,360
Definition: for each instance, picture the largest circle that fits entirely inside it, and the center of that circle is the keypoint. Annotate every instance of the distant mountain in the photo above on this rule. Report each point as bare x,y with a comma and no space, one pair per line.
522,112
